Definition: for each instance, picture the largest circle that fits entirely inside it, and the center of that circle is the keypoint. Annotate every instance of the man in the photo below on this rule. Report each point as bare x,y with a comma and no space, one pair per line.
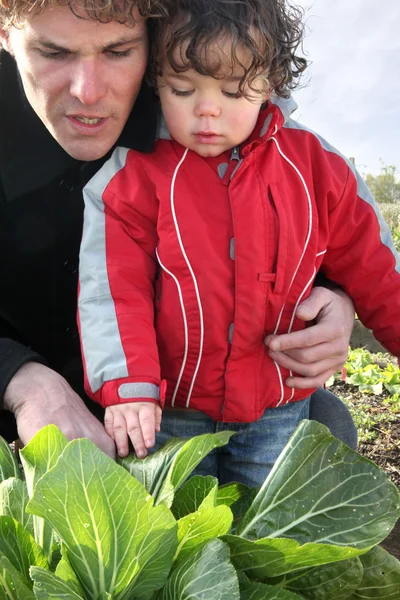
70,89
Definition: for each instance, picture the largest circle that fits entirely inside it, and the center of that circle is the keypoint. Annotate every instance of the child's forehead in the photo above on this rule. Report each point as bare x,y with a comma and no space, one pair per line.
221,57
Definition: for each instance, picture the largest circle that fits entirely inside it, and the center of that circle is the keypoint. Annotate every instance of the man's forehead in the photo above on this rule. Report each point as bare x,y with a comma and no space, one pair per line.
59,25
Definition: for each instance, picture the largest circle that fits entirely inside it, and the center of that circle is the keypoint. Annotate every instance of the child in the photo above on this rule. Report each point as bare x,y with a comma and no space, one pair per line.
191,255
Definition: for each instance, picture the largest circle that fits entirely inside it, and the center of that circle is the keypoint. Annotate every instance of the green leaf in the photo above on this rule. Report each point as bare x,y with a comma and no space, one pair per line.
13,585
193,493
153,470
65,572
241,506
231,492
8,462
319,490
38,457
381,579
203,574
251,590
13,501
48,586
203,525
163,472
272,557
116,540
19,547
329,582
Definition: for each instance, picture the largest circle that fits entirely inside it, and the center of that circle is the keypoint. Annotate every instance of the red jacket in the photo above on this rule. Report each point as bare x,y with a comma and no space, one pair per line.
187,263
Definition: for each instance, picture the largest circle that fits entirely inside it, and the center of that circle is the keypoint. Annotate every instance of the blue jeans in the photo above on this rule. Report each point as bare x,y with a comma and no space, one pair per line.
250,453
328,409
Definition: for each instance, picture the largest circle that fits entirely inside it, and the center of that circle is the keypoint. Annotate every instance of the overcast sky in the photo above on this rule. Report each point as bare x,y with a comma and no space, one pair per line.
353,93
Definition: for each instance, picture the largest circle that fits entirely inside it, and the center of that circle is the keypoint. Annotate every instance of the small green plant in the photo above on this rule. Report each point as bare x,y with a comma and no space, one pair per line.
371,374
75,525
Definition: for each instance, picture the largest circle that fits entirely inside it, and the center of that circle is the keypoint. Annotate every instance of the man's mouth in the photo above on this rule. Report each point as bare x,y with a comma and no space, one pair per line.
88,120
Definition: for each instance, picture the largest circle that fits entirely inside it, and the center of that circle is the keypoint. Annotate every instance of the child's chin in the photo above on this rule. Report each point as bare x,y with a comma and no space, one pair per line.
207,150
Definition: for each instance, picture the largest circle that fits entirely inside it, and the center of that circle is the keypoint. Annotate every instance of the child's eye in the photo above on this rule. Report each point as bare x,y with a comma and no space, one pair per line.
181,92
237,94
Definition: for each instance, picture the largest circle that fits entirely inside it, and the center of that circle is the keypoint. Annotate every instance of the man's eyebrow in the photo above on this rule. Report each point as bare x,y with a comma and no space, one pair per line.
132,39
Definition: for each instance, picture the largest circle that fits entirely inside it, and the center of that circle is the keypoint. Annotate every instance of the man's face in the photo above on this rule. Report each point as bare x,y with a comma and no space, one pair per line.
81,77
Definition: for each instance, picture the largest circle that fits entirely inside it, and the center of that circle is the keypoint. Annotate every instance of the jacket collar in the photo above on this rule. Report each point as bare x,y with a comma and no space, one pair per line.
30,158
270,120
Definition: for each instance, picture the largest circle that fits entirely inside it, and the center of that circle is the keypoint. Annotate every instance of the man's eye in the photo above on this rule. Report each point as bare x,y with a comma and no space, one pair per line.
52,54
237,94
119,53
180,92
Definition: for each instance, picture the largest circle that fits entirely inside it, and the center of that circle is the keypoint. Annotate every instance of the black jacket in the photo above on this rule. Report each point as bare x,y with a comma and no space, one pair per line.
41,210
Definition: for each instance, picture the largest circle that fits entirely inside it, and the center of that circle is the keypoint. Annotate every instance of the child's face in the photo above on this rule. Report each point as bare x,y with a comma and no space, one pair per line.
205,114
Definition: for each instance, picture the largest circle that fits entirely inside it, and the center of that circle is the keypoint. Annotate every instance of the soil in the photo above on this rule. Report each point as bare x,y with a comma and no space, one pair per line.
384,450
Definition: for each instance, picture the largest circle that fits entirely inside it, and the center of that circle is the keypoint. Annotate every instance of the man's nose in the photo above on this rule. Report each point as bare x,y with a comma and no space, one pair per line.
88,83
207,108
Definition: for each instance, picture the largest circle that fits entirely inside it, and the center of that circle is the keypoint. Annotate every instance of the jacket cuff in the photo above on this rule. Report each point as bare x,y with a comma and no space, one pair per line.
121,391
13,356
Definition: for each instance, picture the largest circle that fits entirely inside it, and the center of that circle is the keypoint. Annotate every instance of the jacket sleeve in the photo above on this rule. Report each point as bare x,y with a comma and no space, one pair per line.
117,272
13,355
362,259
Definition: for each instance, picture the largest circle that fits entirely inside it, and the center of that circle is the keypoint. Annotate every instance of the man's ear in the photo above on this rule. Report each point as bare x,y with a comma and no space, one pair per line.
4,39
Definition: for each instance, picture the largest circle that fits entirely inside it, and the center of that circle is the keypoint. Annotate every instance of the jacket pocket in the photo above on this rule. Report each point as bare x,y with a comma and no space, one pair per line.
277,241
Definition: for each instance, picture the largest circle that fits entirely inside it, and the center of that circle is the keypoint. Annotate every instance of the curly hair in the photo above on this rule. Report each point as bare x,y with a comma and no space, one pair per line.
14,12
271,30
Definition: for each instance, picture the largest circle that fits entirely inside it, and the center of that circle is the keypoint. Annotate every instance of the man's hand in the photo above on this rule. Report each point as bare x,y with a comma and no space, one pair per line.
39,396
319,351
138,420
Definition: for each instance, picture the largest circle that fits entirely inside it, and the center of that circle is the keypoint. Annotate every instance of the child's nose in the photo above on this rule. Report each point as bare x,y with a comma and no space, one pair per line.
207,109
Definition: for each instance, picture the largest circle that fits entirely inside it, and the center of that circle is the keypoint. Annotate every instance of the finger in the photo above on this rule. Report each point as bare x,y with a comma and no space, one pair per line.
312,369
312,336
158,418
303,383
135,434
120,434
147,419
311,306
109,423
335,351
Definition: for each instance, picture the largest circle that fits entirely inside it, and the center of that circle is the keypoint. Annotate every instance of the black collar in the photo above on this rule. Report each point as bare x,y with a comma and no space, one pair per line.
30,158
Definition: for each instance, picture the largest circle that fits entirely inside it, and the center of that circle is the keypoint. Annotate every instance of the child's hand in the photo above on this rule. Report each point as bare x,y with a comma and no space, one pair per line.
138,420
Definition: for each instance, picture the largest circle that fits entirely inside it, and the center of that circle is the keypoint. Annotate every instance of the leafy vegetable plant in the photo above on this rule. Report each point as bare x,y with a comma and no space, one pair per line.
75,525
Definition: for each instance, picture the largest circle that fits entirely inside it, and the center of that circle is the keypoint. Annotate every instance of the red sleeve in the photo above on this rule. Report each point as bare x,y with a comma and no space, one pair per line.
362,259
117,273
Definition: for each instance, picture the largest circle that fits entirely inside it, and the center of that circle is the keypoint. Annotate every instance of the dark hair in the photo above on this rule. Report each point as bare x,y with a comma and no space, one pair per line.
271,30
14,12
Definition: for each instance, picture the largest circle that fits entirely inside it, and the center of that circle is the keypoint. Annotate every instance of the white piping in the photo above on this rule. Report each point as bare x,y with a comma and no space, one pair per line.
294,312
300,298
185,327
302,255
321,253
192,274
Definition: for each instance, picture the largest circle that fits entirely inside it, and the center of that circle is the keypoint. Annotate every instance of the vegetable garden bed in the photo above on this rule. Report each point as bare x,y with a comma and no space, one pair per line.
78,526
